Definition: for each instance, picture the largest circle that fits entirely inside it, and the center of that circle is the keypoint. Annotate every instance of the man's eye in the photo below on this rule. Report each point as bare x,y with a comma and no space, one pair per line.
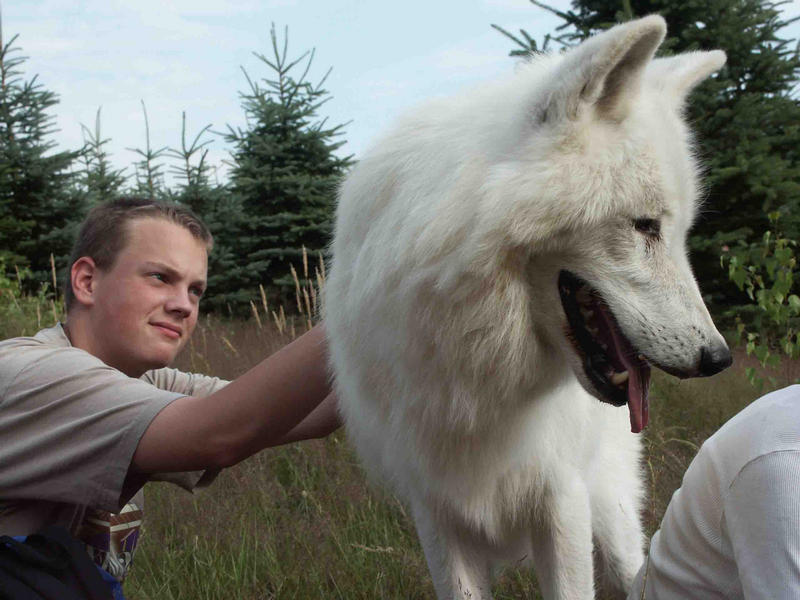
650,227
197,292
159,276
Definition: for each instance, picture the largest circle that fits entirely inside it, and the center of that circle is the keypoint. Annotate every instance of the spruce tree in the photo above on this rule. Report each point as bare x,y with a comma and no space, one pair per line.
746,118
193,173
148,172
38,205
222,213
285,169
99,180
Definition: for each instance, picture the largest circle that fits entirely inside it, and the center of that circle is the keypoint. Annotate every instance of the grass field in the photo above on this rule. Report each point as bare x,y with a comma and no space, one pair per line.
302,522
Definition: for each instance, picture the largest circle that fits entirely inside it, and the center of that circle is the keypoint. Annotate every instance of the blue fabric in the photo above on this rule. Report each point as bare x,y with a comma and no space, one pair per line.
116,586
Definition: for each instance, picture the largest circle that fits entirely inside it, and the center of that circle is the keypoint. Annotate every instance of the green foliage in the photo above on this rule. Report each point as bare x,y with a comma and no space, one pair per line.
285,169
279,200
38,203
221,210
149,176
98,179
192,171
22,313
746,117
767,270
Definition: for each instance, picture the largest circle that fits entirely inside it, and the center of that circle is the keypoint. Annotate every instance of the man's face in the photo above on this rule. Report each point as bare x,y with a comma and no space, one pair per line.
145,307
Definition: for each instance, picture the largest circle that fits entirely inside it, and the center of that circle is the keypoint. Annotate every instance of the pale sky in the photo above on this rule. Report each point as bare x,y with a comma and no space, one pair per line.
181,55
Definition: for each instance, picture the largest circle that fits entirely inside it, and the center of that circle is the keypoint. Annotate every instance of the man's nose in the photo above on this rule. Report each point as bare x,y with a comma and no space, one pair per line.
180,303
714,358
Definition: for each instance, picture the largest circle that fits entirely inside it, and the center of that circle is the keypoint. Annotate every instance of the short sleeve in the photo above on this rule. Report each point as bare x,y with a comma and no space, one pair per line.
190,384
69,425
762,516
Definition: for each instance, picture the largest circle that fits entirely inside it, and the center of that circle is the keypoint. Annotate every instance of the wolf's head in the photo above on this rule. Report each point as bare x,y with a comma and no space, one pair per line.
615,182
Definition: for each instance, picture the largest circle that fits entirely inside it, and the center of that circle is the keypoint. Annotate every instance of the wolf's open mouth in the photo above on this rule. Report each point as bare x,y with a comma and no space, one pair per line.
619,373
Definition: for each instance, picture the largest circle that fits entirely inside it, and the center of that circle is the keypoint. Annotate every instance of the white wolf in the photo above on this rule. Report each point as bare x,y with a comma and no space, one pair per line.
506,265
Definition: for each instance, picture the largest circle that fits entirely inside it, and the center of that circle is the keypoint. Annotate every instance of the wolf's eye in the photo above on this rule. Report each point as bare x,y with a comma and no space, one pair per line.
651,227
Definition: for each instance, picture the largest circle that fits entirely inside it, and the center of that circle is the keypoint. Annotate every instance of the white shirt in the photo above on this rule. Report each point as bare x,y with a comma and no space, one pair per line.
732,530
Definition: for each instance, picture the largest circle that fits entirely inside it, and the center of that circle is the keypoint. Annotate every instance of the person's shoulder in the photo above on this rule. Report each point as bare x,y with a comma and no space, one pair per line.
773,412
49,351
14,349
767,425
52,337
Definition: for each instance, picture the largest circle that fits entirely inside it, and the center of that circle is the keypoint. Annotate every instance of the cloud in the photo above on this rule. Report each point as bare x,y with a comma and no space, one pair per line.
468,58
525,6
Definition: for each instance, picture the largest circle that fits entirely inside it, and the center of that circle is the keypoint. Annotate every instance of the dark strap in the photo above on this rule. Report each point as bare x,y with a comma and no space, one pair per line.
49,565
28,573
82,565
22,581
52,559
12,588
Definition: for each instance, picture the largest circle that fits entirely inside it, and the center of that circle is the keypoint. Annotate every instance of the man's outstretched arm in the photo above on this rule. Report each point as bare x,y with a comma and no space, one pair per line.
274,402
322,421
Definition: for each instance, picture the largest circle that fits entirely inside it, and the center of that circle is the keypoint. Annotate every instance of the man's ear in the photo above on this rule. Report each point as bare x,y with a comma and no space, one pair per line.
83,276
604,73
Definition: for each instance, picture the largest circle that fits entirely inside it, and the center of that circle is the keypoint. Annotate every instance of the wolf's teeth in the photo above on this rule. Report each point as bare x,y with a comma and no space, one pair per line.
619,378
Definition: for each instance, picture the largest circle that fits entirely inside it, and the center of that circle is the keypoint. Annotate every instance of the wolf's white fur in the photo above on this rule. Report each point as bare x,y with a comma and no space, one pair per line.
447,334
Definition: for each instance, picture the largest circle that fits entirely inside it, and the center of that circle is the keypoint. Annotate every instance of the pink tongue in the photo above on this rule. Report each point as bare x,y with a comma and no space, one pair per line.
638,389
638,376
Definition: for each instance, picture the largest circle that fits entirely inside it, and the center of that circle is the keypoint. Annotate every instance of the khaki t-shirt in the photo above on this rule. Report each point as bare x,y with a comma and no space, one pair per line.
69,425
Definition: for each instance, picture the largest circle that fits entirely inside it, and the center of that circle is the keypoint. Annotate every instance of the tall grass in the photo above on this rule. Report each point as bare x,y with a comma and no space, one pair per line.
24,314
301,521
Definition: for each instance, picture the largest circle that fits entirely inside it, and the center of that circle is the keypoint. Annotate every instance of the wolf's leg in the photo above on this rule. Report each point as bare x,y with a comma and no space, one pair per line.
618,531
459,570
562,541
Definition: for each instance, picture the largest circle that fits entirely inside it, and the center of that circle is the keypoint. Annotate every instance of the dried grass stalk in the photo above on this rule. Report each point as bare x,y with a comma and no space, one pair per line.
263,299
53,272
320,280
14,299
278,323
255,314
296,289
227,342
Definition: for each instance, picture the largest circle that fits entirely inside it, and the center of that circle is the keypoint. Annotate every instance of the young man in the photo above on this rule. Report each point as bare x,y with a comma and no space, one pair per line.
88,411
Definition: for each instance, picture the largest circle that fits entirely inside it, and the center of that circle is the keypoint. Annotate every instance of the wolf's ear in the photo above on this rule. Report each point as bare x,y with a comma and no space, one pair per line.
606,70
677,75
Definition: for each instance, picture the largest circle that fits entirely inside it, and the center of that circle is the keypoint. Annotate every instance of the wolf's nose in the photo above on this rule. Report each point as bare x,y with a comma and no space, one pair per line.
714,359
